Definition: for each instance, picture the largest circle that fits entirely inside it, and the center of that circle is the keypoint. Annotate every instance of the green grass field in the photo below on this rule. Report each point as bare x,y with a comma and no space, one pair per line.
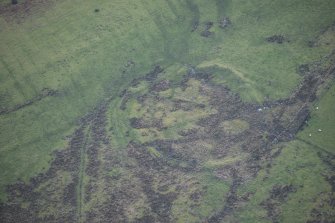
60,60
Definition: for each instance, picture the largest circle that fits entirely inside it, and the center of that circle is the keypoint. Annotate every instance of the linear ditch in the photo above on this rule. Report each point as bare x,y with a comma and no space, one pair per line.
81,171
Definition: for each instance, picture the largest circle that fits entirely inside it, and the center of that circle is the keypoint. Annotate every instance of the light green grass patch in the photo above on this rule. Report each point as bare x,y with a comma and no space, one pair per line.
233,127
153,151
211,200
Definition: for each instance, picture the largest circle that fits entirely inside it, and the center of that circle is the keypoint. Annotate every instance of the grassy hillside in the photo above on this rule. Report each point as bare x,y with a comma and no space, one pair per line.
80,79
302,173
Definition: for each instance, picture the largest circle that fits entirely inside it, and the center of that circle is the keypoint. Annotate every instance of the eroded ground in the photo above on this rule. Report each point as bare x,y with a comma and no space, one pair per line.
186,149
